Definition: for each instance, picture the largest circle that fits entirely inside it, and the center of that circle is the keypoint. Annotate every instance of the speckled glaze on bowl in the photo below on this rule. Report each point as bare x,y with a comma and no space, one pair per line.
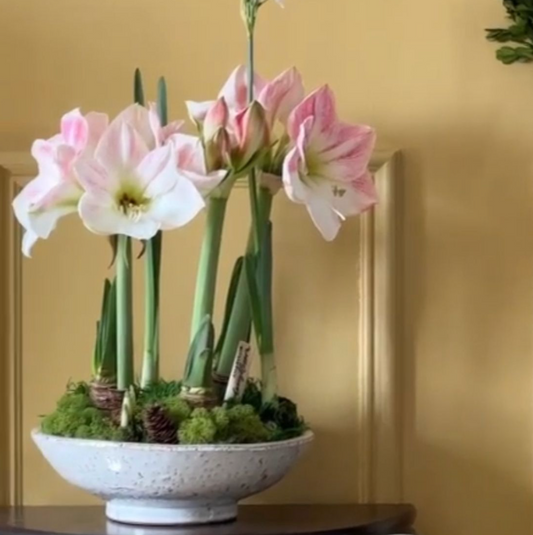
153,484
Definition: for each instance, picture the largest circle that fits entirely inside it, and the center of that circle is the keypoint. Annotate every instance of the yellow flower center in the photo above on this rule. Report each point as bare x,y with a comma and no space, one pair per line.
132,203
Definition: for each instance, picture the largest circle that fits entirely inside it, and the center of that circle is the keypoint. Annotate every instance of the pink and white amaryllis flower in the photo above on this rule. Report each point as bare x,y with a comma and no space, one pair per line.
55,192
132,190
327,169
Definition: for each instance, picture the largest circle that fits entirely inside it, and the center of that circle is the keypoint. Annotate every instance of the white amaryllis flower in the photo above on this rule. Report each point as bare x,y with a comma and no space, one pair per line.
55,192
132,190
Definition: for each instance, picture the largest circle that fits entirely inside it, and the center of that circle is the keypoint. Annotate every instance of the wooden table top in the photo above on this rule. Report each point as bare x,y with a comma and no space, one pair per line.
252,520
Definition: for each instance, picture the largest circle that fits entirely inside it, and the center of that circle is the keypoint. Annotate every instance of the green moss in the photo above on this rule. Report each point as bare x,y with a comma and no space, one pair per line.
160,391
76,417
178,409
200,428
72,419
245,426
73,402
222,420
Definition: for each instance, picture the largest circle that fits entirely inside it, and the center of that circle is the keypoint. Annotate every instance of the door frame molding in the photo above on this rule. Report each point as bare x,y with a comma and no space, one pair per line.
15,168
380,410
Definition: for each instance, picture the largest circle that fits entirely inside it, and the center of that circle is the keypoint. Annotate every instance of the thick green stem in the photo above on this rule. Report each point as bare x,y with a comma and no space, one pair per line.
204,299
239,323
124,314
269,378
150,371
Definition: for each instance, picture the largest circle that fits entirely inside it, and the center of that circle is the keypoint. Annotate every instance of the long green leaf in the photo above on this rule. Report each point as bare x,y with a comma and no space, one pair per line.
138,91
162,101
99,349
199,358
230,300
109,333
255,298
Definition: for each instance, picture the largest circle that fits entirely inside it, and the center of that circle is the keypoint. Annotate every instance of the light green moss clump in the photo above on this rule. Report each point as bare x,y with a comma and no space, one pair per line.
178,409
200,428
75,417
239,424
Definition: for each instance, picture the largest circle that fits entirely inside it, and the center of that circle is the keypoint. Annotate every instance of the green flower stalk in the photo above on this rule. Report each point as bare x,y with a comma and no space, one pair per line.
208,267
252,296
150,372
124,314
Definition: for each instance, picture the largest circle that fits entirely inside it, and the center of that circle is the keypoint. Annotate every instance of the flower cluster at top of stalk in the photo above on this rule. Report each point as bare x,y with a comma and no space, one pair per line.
319,160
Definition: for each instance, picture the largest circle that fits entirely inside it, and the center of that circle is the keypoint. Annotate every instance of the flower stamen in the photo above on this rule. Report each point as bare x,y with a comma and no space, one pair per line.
131,207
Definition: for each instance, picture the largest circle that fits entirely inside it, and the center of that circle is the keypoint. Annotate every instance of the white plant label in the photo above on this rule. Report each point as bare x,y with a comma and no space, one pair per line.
239,372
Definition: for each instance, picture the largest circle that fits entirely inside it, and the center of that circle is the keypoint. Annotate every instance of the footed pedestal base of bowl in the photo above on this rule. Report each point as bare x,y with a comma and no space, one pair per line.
170,512
163,485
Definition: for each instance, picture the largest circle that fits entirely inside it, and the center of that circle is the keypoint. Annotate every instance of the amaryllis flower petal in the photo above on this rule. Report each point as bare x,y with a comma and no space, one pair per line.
294,187
29,239
198,110
138,118
235,90
179,207
215,119
154,167
162,134
189,153
97,123
320,105
121,147
324,218
354,143
40,205
75,130
282,95
93,176
190,160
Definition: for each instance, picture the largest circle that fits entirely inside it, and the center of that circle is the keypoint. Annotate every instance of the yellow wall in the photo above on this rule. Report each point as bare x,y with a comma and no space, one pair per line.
422,73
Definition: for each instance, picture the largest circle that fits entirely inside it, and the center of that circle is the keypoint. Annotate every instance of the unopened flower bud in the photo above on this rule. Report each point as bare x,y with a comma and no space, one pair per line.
252,133
216,119
217,150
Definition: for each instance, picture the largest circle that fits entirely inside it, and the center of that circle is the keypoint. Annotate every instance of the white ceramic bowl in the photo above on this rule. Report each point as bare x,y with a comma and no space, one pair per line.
153,484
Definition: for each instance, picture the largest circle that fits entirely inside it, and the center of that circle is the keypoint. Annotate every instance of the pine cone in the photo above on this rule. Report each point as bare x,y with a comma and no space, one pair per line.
105,396
159,427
